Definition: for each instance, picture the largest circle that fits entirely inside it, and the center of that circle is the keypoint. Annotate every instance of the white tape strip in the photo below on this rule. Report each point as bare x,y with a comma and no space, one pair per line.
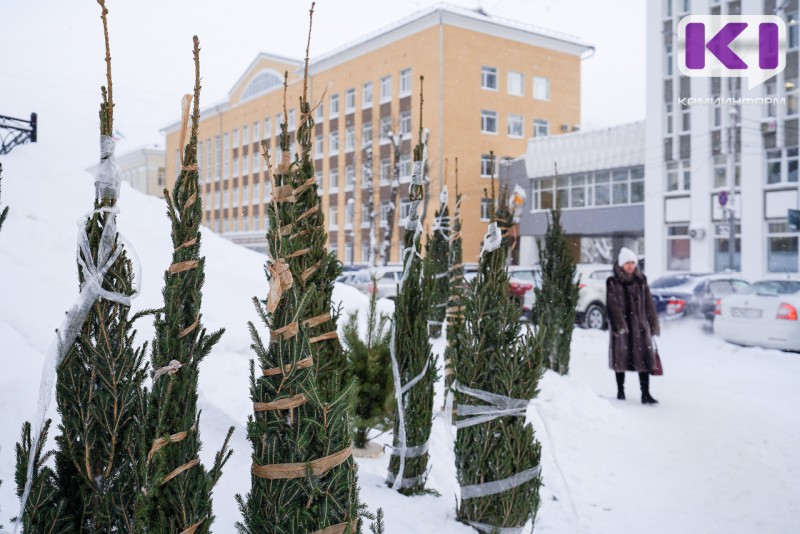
500,486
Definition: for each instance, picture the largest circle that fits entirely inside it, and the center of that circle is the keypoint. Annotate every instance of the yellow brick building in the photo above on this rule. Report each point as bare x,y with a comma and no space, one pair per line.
490,84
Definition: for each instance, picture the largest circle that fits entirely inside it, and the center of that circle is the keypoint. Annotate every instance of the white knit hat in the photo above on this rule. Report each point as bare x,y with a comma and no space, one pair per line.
626,255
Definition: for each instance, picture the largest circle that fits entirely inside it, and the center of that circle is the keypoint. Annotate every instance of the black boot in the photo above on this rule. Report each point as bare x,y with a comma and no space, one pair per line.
620,386
644,382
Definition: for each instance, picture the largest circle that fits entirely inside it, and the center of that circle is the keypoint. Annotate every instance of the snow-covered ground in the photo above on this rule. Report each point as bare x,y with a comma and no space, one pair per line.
719,454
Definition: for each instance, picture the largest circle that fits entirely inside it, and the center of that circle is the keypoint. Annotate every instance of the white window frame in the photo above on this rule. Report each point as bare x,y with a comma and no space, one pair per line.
486,166
334,111
333,217
350,139
386,88
405,82
485,204
366,95
333,142
487,116
350,100
519,81
405,124
489,78
538,124
518,121
319,146
541,84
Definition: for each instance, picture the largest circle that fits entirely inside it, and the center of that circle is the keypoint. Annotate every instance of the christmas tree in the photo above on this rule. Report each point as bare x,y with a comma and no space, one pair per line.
303,477
4,211
557,297
497,371
455,286
177,487
437,249
413,366
99,392
371,364
311,265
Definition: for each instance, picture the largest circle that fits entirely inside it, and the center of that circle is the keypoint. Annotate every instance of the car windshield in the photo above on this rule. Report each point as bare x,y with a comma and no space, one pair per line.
780,287
667,282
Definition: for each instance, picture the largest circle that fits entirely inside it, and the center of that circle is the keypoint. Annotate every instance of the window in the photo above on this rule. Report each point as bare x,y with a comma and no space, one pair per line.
668,7
668,60
577,192
268,127
366,175
406,168
235,196
349,213
489,78
320,113
515,125
782,249
620,187
365,215
722,258
245,194
208,159
349,177
791,31
488,121
319,146
602,192
774,166
386,129
349,139
334,143
245,163
678,248
541,128
217,158
485,204
386,88
515,83
256,199
334,180
405,82
235,138
668,117
386,171
334,106
366,95
226,155
405,212
348,253
334,217
686,5
245,135
686,120
541,88
486,165
292,119
365,252
235,164
366,134
405,123
350,100
256,132
384,214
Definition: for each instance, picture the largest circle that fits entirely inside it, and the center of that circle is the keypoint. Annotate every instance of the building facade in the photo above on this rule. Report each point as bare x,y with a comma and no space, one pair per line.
705,146
597,179
489,85
143,168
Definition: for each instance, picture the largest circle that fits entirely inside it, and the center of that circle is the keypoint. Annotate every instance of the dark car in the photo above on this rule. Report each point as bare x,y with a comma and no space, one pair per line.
690,294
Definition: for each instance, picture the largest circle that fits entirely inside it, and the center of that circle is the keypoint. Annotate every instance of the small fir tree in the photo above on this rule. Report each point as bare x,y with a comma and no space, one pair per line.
177,487
413,365
456,287
4,211
437,249
99,392
303,474
557,297
497,368
371,365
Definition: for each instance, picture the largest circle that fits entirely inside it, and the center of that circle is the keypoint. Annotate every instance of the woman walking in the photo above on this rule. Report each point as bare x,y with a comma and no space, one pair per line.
633,322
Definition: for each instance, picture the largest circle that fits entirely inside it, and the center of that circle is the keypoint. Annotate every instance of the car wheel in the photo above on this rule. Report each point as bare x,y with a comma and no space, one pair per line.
595,317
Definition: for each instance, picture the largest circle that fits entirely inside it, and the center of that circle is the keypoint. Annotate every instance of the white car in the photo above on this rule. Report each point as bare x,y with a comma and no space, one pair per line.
591,307
387,279
765,316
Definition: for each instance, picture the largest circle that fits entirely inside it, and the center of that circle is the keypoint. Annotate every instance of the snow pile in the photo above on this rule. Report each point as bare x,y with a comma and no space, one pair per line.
718,454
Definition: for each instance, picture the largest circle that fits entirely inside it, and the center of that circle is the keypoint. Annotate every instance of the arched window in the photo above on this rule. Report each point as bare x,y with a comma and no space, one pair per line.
261,83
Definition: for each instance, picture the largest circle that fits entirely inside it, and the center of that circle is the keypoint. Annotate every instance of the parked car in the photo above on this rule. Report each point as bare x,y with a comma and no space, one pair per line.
387,279
766,315
590,312
522,281
688,294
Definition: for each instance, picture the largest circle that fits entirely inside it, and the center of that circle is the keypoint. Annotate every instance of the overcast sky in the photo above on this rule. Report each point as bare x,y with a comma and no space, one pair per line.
52,56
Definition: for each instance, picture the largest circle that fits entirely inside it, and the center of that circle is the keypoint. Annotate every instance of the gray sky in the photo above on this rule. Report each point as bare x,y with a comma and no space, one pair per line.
52,58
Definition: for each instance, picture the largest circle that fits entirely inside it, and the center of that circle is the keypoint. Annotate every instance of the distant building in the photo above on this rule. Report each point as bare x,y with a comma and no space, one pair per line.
704,143
490,84
144,169
600,188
